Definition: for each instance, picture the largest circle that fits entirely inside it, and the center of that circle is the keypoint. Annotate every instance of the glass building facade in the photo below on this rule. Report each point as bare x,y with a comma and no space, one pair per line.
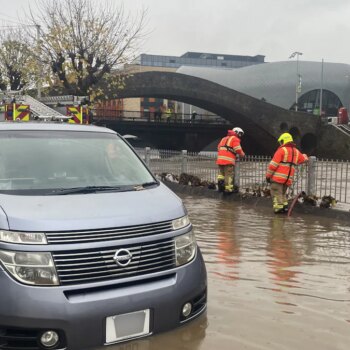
310,102
199,59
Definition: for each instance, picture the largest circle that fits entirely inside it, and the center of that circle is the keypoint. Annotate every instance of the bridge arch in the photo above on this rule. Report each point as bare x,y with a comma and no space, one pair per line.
262,121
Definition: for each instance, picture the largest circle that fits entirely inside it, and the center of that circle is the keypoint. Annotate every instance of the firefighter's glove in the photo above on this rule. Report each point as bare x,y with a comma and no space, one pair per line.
268,180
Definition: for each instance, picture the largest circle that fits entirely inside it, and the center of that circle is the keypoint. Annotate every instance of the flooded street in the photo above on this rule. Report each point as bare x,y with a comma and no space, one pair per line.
274,282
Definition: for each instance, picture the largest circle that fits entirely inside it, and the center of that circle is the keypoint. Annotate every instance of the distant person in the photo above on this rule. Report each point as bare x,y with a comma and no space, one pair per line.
193,116
162,111
158,114
168,114
228,148
280,171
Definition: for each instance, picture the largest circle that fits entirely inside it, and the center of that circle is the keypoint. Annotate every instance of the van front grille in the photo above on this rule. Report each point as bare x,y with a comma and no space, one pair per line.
94,265
109,234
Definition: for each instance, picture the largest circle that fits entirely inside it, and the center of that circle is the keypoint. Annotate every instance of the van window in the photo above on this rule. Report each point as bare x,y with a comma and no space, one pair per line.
33,161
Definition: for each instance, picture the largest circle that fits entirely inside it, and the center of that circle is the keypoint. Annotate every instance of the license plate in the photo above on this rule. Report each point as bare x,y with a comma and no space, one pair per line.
127,326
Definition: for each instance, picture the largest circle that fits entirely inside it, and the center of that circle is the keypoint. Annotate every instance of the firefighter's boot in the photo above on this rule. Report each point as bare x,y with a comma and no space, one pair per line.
277,207
221,183
229,189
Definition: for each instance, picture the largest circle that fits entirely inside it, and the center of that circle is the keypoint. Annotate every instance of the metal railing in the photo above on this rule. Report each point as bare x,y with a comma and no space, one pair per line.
101,114
317,177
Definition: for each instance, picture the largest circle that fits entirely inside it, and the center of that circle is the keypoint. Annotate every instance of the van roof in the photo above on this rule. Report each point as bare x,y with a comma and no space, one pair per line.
8,125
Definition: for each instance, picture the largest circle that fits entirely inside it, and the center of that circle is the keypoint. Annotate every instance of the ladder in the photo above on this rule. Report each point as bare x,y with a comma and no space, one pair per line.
38,108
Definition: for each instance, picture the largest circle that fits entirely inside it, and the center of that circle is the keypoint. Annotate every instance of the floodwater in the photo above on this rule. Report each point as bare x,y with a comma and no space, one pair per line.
275,283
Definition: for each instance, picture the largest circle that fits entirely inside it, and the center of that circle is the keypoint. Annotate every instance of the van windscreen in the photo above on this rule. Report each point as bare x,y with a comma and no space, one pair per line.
35,162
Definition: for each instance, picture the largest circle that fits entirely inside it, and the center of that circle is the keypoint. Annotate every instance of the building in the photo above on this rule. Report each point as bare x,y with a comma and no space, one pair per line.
198,59
321,84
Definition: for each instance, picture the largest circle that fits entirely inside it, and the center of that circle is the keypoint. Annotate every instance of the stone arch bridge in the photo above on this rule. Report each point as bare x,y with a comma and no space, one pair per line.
262,121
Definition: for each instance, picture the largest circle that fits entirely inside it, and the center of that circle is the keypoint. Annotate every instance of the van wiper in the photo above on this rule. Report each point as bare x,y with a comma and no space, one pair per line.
90,189
145,184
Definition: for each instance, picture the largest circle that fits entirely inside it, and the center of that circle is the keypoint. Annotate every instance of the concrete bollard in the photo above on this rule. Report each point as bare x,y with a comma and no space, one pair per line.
311,176
236,170
184,161
147,155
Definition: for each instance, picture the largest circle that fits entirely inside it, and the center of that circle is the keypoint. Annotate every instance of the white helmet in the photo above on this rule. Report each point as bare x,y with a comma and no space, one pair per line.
238,131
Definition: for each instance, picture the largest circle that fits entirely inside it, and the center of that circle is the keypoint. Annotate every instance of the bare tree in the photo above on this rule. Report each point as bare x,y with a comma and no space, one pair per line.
83,41
17,66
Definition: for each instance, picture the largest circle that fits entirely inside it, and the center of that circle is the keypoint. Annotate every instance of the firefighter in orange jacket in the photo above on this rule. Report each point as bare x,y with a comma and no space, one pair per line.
228,148
281,170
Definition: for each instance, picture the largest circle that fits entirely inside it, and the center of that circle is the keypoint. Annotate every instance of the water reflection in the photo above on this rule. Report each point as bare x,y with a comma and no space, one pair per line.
282,253
274,282
228,252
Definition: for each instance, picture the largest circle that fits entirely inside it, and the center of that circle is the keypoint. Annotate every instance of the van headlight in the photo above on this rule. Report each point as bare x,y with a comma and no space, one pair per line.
181,222
185,247
22,237
30,268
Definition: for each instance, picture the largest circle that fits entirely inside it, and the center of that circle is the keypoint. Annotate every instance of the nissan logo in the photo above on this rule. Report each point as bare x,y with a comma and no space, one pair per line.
122,257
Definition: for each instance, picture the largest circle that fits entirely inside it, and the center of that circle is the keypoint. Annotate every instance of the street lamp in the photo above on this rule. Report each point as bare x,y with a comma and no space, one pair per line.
298,83
321,90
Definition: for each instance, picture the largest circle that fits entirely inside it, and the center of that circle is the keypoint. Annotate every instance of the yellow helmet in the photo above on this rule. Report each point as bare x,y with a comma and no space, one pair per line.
285,138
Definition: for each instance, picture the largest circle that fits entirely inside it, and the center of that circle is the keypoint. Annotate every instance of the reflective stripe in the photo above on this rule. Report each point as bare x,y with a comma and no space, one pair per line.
285,157
286,166
283,176
297,158
226,158
229,140
236,148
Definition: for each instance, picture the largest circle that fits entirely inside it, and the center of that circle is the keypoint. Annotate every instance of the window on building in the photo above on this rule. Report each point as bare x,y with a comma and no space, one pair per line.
310,102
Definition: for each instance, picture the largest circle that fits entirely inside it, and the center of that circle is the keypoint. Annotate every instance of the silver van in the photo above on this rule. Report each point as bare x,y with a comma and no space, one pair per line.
93,249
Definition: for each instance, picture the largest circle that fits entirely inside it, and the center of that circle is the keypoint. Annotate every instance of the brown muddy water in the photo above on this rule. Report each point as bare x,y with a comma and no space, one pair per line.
275,283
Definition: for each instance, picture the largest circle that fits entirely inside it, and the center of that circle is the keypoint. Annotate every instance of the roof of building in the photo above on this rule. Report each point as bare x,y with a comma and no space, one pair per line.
219,56
276,82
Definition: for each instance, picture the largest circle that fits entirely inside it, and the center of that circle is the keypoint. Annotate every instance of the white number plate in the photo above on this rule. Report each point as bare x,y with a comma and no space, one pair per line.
127,326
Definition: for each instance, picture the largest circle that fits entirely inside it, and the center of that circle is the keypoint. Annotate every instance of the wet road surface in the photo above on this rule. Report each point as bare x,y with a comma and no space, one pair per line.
275,283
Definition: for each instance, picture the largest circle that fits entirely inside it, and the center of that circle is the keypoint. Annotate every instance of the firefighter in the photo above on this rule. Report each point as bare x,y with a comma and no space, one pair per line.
228,148
281,170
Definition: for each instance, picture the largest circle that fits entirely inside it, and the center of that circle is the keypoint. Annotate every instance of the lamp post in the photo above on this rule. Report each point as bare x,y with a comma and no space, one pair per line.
321,90
298,82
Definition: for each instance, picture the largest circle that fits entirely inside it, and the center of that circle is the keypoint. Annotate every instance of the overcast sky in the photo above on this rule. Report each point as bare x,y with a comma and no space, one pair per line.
273,28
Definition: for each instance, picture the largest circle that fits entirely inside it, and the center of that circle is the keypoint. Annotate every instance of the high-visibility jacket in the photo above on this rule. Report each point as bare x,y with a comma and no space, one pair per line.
282,166
228,148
